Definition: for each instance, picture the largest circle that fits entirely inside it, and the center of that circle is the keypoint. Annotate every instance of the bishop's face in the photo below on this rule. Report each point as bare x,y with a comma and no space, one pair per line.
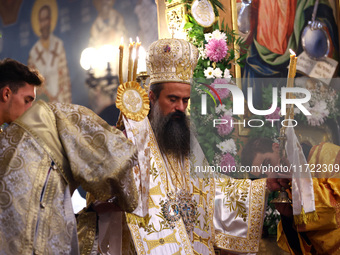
168,119
174,97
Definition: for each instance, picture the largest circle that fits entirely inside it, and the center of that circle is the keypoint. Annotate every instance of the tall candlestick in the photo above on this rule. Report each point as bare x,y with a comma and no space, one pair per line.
292,85
135,64
130,60
294,71
121,50
141,60
292,65
290,81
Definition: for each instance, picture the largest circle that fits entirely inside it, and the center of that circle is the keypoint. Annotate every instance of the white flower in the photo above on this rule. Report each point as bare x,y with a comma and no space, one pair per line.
220,108
269,211
209,73
228,112
217,34
226,74
276,212
217,72
201,51
227,146
319,113
207,36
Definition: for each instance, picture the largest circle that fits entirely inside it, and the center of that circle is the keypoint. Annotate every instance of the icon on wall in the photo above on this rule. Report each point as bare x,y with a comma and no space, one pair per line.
48,53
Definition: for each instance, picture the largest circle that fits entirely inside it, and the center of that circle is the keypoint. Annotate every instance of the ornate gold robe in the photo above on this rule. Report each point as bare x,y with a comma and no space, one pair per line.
229,212
323,233
36,213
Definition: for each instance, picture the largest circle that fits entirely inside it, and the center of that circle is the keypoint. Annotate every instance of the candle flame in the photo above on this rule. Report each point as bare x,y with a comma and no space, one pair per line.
122,40
137,39
292,52
130,40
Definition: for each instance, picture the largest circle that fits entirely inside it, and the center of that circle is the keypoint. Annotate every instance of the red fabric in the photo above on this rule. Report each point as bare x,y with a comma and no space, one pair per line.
275,24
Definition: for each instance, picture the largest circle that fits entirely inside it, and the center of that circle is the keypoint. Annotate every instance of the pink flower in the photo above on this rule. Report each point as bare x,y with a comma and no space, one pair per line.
225,129
216,50
275,115
227,160
223,93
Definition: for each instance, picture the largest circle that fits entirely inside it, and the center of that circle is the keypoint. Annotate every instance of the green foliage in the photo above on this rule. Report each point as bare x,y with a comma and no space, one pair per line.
207,135
272,216
335,114
196,36
217,5
267,130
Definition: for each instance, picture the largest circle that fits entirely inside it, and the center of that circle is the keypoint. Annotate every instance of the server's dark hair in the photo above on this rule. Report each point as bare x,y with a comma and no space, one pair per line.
15,74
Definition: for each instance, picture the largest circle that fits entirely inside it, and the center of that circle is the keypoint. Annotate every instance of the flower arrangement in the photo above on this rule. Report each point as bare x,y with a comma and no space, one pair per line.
323,105
271,218
216,57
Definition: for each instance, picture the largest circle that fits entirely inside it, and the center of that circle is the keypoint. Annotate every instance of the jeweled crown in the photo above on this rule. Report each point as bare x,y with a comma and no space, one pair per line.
171,60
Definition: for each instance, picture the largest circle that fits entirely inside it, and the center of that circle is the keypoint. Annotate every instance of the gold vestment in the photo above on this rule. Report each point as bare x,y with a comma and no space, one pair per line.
323,233
229,212
35,210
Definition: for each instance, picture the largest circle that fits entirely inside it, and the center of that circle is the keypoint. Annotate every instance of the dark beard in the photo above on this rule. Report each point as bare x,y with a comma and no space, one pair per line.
172,132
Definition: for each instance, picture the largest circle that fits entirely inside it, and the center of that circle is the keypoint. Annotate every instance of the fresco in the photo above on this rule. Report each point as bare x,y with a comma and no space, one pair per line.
51,35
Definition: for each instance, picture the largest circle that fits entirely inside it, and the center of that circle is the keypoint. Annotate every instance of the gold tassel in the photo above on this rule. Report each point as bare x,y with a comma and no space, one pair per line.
140,221
305,218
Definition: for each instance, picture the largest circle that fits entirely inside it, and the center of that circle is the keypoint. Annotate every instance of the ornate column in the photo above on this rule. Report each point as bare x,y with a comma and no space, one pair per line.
171,18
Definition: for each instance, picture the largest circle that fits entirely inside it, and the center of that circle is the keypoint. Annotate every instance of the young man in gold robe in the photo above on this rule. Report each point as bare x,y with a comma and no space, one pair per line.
44,156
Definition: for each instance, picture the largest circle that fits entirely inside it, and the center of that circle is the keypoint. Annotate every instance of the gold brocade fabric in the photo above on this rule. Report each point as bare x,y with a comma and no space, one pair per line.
229,212
86,230
324,233
35,210
132,101
153,234
171,60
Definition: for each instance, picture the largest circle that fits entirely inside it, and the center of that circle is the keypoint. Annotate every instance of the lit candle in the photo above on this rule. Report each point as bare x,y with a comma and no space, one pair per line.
135,64
292,64
141,60
294,71
121,50
130,60
291,69
290,81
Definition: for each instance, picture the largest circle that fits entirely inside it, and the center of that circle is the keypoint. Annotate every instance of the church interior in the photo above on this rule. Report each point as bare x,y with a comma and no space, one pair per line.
86,49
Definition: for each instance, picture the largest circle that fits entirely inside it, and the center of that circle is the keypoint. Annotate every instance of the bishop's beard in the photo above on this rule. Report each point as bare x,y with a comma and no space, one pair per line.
172,131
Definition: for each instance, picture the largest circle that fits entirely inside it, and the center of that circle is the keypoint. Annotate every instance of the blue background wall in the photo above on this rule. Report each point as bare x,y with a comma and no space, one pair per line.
75,18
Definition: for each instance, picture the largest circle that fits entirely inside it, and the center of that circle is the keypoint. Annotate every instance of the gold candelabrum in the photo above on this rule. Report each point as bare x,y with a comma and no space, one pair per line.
132,72
141,79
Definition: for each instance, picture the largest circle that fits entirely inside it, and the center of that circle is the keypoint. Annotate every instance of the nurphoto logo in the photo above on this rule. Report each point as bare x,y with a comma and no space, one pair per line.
238,105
